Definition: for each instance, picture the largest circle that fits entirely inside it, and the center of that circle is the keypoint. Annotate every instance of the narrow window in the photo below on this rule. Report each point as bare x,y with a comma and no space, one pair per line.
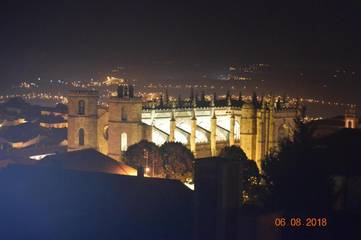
124,114
81,107
123,142
349,124
81,137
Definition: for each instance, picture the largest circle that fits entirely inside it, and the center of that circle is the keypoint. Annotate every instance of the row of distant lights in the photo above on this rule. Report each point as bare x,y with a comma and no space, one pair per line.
310,100
78,84
309,118
61,98
92,84
159,85
32,96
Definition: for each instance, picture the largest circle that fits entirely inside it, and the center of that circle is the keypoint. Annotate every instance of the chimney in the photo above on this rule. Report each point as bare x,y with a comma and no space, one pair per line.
216,198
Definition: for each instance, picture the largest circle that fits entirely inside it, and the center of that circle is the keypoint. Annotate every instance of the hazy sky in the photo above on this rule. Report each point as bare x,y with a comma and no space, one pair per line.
72,39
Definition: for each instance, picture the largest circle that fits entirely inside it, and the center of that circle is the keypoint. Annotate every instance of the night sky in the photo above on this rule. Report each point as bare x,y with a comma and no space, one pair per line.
75,39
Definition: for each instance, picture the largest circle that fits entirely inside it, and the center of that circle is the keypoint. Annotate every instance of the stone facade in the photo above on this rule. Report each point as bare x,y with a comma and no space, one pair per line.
205,127
351,119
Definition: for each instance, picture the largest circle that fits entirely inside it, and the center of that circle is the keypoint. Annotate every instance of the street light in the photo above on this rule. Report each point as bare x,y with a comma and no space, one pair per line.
146,157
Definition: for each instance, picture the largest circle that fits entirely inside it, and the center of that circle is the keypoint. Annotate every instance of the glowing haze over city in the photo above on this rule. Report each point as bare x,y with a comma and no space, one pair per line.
208,47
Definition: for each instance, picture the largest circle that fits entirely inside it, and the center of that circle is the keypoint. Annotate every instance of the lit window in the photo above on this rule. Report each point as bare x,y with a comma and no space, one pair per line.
123,142
106,132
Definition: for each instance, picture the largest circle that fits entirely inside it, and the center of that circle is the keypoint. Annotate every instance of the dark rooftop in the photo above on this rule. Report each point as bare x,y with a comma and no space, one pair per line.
87,160
51,119
45,203
21,133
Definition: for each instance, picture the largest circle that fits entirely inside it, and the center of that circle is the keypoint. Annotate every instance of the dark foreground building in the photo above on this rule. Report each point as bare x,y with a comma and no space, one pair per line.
51,203
217,198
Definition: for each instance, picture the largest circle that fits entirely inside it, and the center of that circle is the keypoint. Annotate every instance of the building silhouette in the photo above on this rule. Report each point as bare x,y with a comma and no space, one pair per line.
54,203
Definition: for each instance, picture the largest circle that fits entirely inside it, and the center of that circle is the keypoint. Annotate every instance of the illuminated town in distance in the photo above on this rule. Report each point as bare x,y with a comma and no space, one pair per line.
174,120
264,79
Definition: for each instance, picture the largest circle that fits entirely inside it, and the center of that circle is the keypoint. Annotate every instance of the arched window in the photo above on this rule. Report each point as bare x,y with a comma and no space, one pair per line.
349,124
124,114
123,142
81,137
81,107
106,132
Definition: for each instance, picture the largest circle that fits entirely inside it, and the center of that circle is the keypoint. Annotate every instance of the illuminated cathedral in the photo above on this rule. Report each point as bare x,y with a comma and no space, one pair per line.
205,126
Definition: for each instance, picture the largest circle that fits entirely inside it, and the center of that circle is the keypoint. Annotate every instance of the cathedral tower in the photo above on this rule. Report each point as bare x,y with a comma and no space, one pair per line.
248,130
82,119
125,121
